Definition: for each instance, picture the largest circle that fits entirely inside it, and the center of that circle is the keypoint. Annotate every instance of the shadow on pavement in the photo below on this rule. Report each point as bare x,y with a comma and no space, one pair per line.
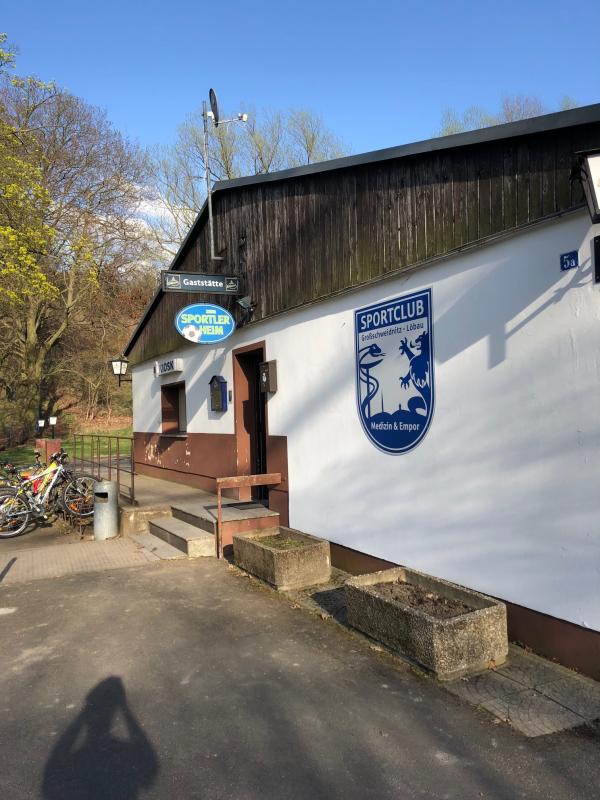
7,568
90,761
333,601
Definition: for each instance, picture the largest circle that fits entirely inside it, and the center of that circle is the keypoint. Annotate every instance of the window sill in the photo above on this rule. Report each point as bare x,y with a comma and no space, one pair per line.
173,435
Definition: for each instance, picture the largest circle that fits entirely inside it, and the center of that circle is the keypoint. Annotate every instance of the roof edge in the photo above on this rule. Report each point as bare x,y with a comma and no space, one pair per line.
546,122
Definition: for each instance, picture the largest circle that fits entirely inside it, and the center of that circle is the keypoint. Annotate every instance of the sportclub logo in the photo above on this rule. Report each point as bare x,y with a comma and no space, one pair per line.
394,370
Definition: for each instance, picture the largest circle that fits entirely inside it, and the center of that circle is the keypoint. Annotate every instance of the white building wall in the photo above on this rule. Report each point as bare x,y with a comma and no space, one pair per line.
502,493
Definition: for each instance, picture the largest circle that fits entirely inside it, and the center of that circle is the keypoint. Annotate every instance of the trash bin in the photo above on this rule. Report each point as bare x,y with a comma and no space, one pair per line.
106,510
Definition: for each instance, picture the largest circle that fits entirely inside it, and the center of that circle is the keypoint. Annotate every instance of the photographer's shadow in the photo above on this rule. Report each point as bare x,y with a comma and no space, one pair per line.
90,761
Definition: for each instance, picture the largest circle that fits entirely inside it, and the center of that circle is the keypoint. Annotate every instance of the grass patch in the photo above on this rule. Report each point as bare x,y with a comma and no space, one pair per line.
21,455
105,431
281,542
89,448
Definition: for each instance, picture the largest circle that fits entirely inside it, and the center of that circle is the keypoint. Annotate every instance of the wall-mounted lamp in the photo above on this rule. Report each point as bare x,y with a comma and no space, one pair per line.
587,171
119,368
248,306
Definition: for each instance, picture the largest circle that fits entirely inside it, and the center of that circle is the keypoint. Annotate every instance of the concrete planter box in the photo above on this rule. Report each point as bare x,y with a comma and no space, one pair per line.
451,647
292,568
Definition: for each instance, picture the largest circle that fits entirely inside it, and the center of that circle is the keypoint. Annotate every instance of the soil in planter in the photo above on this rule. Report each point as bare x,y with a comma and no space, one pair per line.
282,542
415,597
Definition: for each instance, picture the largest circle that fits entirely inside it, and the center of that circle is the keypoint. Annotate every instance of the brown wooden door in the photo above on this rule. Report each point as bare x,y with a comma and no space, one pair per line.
250,418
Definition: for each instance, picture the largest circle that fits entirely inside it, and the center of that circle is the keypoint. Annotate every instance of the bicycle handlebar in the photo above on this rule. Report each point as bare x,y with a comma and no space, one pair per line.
60,456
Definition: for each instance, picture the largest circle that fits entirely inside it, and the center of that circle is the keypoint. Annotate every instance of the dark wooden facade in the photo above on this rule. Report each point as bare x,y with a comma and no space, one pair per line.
304,235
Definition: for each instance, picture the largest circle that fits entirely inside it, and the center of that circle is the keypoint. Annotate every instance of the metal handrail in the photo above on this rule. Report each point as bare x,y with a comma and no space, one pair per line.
104,464
237,482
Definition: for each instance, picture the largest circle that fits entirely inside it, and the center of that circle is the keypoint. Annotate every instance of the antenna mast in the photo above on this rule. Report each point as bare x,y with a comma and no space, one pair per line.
214,115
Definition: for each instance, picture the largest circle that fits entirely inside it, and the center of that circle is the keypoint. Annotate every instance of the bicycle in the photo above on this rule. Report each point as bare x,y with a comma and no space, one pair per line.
10,475
37,495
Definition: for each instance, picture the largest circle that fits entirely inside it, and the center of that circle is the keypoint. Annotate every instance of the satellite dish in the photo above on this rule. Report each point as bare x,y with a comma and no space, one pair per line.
214,106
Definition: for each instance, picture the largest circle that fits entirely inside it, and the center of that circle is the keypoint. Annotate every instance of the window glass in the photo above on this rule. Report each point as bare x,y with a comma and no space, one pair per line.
173,408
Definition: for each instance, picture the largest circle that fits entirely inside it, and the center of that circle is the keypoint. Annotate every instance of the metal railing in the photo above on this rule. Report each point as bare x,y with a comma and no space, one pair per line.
106,457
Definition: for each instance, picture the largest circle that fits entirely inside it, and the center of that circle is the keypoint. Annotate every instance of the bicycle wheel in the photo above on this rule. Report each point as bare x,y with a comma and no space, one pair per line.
77,497
14,515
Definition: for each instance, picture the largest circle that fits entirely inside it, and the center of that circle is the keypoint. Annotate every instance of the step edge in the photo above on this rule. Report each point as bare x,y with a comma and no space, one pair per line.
194,533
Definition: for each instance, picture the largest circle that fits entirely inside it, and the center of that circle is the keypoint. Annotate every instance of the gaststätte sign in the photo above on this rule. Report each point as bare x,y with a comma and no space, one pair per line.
199,282
394,370
204,323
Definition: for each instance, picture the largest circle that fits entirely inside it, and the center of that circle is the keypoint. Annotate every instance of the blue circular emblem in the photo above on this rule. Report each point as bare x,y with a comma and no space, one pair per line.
204,323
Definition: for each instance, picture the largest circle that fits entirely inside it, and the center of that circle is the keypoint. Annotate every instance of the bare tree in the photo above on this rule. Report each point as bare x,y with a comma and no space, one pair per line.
269,141
264,141
78,371
309,139
512,108
472,118
521,107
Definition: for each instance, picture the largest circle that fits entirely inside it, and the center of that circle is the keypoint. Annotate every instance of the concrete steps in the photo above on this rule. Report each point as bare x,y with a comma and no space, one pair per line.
156,546
199,517
189,539
238,517
189,524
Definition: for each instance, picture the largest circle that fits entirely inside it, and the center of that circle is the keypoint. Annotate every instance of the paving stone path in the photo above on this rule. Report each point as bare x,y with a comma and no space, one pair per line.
55,561
533,695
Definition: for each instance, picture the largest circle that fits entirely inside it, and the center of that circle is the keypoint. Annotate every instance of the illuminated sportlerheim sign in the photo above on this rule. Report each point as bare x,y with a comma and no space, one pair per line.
199,282
204,323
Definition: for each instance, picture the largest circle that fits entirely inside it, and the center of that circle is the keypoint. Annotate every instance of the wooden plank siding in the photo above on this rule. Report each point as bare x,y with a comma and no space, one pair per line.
297,240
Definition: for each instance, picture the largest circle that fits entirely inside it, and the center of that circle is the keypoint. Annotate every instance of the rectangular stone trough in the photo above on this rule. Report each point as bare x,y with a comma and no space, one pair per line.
290,568
451,647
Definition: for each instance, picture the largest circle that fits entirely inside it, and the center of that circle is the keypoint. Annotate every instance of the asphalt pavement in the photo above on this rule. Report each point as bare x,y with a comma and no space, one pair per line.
183,679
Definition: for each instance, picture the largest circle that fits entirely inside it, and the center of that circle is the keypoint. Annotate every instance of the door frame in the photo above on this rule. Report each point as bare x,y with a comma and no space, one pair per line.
242,438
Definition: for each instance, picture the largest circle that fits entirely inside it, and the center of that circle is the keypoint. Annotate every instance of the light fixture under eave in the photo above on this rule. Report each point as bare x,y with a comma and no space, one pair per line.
119,368
248,307
246,303
587,172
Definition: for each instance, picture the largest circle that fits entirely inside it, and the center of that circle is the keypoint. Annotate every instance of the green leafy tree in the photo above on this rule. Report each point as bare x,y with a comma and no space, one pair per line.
25,237
70,230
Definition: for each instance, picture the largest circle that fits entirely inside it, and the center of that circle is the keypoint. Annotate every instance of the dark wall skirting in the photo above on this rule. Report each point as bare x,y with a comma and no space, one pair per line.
197,459
561,641
203,482
565,642
209,454
279,501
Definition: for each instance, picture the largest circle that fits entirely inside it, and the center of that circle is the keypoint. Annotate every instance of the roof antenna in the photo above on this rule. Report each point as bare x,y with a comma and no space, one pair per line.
214,115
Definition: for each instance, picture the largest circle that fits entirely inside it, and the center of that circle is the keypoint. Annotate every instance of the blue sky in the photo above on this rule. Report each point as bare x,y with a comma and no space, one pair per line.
380,73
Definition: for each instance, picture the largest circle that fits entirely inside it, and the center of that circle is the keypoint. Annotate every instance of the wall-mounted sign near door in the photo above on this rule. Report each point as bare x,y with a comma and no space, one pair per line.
394,370
199,282
204,323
